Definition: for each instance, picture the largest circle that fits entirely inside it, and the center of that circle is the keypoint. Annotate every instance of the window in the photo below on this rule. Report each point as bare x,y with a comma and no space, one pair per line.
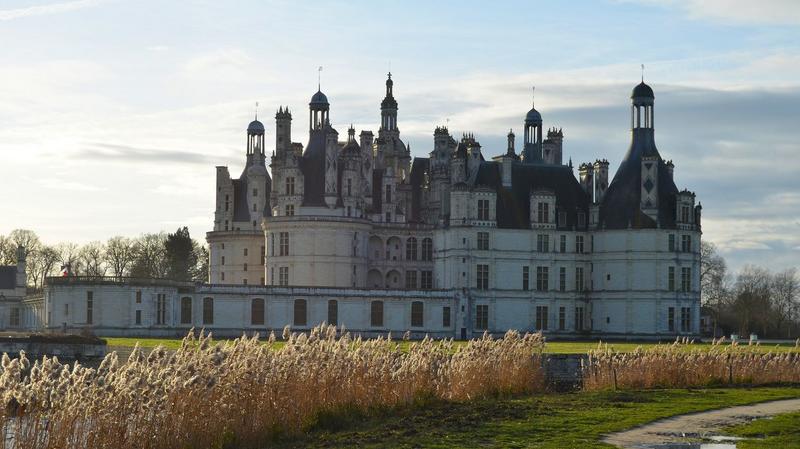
525,277
245,252
671,319
483,241
161,309
263,256
426,279
411,279
579,279
427,249
541,318
482,277
333,312
562,279
445,316
542,243
290,185
581,220
300,312
138,317
222,276
208,311
89,308
562,318
139,292
562,246
686,319
562,219
14,317
671,245
686,279
256,311
542,275
254,209
376,314
186,310
255,192
686,243
244,267
289,210
388,217
482,317
349,186
483,209
579,244
671,279
417,318
227,206
542,213
578,318
388,193
411,248
222,260
284,244
283,276
685,214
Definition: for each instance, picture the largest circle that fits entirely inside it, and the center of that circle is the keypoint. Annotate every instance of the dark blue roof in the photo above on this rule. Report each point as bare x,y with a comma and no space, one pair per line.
319,99
642,90
8,277
255,127
533,116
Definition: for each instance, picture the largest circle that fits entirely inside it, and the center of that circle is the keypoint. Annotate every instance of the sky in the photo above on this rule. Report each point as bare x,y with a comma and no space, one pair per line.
114,113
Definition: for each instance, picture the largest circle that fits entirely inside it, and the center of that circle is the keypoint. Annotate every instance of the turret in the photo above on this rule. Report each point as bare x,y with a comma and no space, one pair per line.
331,153
552,147
283,131
586,176
532,150
600,180
22,280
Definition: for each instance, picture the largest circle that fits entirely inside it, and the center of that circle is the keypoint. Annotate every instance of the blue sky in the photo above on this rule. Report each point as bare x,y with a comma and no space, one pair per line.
113,113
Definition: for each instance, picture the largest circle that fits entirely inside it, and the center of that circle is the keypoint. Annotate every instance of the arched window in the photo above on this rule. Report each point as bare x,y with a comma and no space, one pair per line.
300,313
417,318
208,311
376,314
186,310
333,312
427,249
411,248
257,311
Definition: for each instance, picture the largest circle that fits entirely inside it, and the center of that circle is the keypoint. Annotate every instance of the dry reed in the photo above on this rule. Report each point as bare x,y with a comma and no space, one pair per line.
244,394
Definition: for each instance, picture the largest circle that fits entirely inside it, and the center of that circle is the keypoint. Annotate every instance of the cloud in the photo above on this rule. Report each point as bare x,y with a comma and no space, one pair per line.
126,153
158,48
781,12
41,10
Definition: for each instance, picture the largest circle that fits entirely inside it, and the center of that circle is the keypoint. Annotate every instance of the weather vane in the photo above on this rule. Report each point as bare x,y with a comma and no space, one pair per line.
533,96
642,72
256,110
319,78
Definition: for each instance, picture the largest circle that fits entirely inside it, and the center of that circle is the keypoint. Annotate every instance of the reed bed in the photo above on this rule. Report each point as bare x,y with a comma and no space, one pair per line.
244,394
679,365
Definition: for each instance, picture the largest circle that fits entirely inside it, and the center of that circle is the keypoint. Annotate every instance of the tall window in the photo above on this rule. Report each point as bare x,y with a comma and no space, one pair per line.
284,244
257,311
562,219
417,318
686,279
671,244
289,210
89,307
525,277
208,311
482,317
300,312
333,312
482,277
483,241
541,318
686,319
426,280
543,213
562,246
562,318
139,292
138,318
686,243
483,209
579,279
14,317
186,310
685,214
562,279
578,318
581,220
290,185
161,309
427,249
542,243
388,194
671,319
263,256
579,244
446,316
542,278
411,248
349,186
671,279
411,279
283,276
376,314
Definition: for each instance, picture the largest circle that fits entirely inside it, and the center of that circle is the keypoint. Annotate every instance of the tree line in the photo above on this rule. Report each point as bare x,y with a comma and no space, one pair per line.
754,300
157,255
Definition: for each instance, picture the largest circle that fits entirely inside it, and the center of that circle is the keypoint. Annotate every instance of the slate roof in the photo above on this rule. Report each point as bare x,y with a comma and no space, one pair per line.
313,167
8,277
419,167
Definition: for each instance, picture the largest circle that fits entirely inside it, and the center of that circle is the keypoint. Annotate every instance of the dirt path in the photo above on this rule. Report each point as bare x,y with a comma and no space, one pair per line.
697,426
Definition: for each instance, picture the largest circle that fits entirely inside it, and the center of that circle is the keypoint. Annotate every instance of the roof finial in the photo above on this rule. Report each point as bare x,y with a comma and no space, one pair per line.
642,72
533,97
319,79
256,110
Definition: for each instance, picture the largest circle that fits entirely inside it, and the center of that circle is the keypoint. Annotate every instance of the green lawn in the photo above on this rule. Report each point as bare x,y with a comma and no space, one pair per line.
553,421
782,431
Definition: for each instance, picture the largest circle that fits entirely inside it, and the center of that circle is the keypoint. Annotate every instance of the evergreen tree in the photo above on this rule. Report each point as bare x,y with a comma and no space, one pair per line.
180,255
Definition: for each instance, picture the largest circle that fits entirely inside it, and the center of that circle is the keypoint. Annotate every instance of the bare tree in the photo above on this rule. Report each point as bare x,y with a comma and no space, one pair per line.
42,264
69,256
120,255
92,258
751,300
713,288
785,297
150,261
8,252
28,240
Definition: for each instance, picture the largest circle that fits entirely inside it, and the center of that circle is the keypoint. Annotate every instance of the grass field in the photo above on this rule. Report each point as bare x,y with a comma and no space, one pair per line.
552,421
555,347
782,431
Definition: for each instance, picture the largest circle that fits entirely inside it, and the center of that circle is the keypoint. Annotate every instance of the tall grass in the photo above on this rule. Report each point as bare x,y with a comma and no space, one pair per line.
679,365
243,393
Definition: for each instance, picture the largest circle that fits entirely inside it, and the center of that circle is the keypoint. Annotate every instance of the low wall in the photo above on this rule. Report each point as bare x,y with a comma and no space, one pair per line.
563,372
63,346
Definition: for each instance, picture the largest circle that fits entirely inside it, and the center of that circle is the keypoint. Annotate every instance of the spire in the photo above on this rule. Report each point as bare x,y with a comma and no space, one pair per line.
533,97
642,72
256,111
319,79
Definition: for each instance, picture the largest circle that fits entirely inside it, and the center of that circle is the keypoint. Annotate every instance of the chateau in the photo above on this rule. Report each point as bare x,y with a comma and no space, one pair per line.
355,231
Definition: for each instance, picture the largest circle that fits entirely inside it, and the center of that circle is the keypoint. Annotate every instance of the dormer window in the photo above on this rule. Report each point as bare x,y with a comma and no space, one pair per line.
543,213
290,185
483,209
685,213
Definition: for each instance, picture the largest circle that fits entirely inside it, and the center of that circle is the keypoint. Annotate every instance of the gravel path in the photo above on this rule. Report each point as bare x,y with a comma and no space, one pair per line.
697,426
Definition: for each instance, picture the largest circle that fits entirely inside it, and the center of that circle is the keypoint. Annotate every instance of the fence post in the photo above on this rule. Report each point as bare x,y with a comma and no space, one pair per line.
730,370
